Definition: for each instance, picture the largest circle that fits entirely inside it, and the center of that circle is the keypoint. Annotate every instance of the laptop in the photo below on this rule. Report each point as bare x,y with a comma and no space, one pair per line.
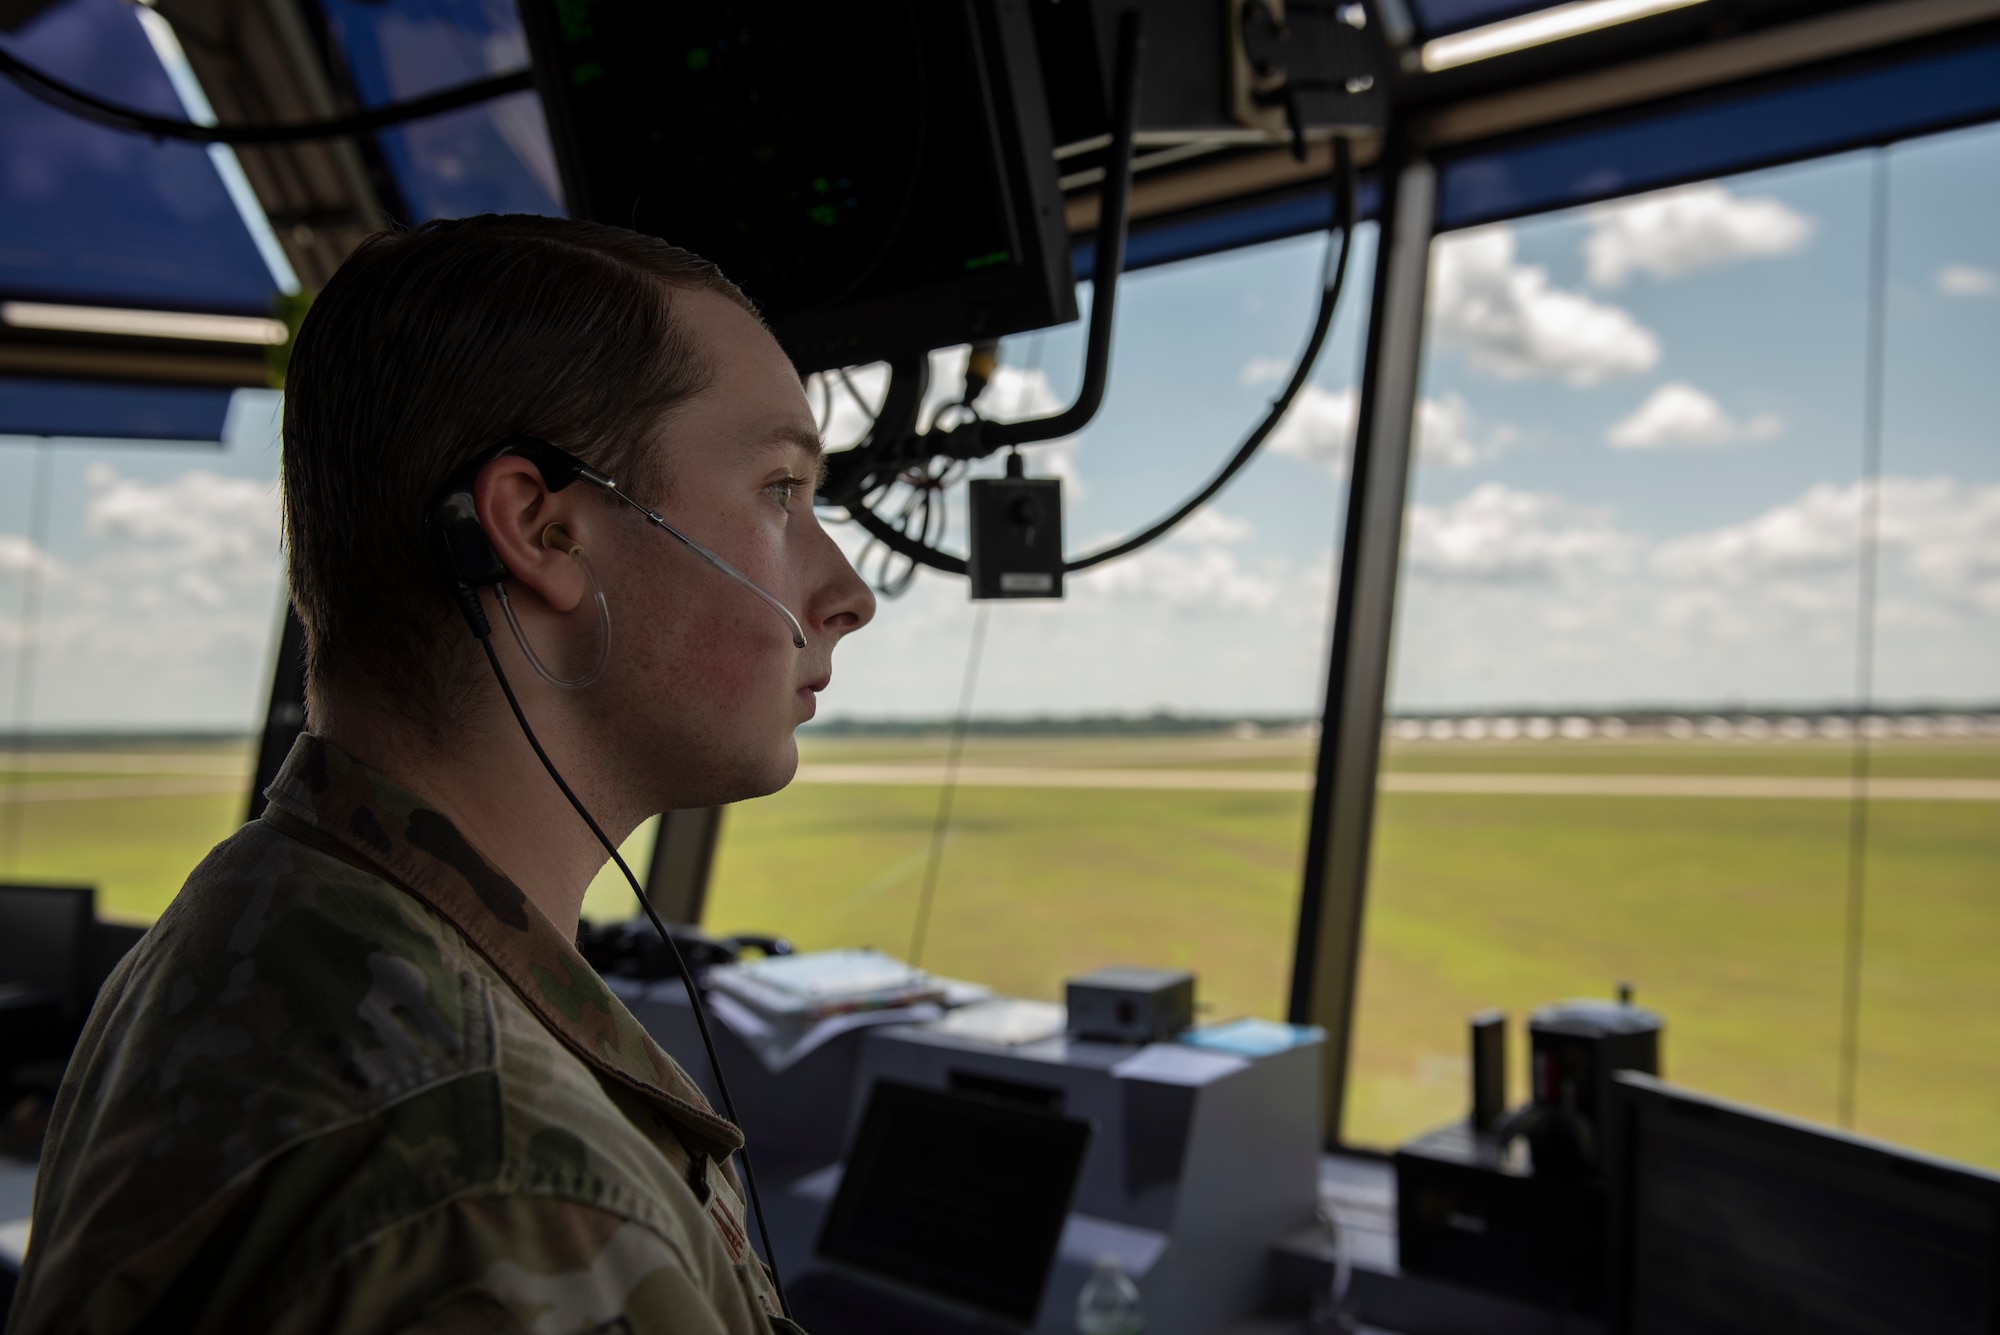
947,1218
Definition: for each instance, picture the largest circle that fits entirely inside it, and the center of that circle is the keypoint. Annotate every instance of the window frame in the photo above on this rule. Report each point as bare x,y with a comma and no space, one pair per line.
1416,189
1426,149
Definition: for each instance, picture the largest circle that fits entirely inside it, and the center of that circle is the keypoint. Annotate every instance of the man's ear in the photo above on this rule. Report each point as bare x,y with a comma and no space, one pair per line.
516,508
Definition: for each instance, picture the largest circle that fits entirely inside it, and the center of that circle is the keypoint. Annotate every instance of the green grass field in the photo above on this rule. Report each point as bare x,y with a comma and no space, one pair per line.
1729,915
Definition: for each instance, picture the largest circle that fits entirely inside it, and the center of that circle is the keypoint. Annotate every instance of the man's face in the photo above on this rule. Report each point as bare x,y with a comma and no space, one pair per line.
704,687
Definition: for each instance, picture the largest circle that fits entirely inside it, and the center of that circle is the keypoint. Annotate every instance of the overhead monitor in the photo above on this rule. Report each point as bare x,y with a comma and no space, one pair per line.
878,177
1729,1221
956,1196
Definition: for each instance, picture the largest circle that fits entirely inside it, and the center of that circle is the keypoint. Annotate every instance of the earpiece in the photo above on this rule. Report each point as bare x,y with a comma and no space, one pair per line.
557,539
464,553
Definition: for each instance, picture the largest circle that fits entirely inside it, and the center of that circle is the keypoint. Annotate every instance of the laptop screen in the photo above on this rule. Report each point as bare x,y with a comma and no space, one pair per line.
957,1195
1737,1221
44,933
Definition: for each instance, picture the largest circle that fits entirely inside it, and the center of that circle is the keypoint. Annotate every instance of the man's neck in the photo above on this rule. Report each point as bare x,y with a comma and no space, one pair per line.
487,781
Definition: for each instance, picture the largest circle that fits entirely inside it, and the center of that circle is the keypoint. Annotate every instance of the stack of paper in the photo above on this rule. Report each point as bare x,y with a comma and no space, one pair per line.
826,982
1007,1022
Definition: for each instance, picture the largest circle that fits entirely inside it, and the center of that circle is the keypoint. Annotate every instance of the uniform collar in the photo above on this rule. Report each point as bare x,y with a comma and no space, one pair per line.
327,797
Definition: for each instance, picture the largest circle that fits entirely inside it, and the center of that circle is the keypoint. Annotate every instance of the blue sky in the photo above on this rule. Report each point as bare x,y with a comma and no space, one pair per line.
1639,482
1707,552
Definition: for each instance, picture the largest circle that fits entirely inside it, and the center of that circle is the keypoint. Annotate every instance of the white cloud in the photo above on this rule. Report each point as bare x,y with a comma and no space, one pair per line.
199,516
1195,622
1451,435
1512,598
167,614
1673,232
1949,532
1209,525
1516,599
1512,322
1197,576
1265,370
19,555
1941,532
1017,393
1194,569
1818,533
1967,280
1496,533
1677,413
1320,429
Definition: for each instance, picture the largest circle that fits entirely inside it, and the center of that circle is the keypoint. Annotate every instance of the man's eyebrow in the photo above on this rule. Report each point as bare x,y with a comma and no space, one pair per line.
814,447
808,441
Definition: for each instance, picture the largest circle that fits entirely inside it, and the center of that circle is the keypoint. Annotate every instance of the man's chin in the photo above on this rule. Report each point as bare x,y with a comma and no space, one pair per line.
761,778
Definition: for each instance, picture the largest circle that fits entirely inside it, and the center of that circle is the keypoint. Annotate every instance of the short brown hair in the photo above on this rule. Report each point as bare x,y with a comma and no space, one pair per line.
427,347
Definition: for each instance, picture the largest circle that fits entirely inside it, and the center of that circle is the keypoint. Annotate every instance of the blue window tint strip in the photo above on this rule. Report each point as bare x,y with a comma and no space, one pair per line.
1739,133
1225,229
91,409
493,158
95,214
1436,17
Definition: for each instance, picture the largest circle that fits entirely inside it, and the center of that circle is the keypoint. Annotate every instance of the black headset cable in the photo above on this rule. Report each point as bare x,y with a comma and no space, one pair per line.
475,614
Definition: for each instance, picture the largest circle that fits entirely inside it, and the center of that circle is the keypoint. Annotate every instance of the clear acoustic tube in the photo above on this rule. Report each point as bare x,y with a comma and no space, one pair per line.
535,659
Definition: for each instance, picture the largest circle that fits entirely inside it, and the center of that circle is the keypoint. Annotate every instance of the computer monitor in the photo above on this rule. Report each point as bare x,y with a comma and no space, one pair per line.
45,940
1728,1220
879,178
957,1196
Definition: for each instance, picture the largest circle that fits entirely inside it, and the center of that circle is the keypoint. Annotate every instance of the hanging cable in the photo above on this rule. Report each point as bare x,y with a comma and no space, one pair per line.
1334,278
946,794
67,97
1340,244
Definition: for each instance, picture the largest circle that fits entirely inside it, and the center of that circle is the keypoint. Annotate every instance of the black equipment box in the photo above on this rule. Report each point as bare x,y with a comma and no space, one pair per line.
1017,537
1127,1005
1470,1211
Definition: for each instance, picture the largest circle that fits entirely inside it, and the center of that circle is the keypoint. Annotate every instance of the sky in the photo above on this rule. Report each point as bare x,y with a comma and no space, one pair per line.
1640,478
1641,482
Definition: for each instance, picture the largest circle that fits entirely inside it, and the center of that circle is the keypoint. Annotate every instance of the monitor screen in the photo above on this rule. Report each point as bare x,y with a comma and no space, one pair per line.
44,934
878,179
957,1195
1730,1220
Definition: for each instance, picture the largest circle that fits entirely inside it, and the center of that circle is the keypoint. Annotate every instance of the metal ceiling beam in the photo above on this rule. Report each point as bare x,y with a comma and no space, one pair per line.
1244,174
1708,65
259,62
50,356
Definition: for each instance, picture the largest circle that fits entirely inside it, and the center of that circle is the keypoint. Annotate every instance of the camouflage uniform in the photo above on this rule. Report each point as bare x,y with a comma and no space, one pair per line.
354,1081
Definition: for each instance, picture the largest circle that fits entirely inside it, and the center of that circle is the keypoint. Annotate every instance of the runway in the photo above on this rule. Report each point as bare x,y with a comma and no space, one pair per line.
1735,786
1751,787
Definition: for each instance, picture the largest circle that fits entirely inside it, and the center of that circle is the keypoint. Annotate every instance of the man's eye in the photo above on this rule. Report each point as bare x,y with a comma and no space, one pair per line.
785,489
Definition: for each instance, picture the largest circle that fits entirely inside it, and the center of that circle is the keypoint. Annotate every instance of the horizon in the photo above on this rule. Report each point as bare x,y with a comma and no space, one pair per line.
1974,719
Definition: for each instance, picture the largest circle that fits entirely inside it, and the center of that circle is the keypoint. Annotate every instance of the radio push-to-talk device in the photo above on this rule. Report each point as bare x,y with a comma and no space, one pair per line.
468,560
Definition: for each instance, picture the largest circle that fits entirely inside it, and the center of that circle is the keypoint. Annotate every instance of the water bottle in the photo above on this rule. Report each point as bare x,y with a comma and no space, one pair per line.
1331,1312
1109,1303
